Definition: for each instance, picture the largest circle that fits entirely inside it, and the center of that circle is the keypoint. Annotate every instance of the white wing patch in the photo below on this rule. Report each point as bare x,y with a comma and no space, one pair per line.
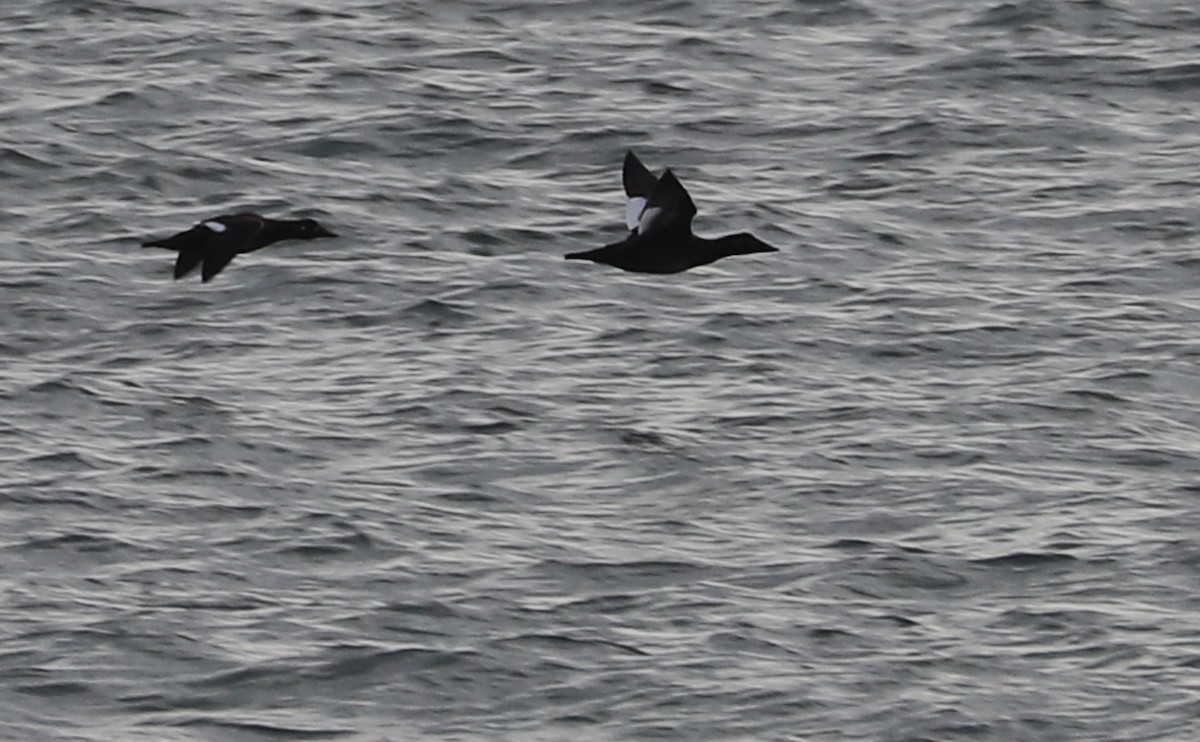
633,212
648,217
216,226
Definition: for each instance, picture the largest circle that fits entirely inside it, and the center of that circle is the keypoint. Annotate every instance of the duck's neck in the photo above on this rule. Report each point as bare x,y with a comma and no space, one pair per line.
727,245
276,230
703,250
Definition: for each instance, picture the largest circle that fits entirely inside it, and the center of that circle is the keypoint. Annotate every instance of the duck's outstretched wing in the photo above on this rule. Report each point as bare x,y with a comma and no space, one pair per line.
187,262
669,208
638,180
230,235
214,263
639,187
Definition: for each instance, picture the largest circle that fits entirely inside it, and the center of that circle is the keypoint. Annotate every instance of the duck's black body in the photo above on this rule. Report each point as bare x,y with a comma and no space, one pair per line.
660,222
215,242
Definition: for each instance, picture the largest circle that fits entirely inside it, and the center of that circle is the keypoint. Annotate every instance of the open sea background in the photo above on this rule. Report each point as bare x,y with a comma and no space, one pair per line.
929,473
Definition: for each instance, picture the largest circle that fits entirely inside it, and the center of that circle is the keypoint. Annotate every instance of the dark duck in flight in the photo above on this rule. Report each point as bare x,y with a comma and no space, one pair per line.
215,242
660,222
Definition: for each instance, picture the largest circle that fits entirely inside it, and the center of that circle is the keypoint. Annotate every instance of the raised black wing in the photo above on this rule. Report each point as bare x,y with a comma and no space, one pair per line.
669,208
638,181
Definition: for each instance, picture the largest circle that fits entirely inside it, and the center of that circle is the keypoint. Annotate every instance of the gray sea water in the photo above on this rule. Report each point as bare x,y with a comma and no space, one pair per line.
929,473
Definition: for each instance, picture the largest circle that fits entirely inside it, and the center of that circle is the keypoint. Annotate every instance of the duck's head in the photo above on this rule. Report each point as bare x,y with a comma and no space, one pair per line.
744,243
308,229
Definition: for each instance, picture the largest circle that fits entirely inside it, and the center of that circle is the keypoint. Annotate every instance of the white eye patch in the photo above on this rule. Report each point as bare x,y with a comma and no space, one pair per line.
216,226
633,212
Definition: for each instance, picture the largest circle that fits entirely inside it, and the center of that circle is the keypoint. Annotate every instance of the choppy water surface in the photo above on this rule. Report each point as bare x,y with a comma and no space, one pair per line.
929,473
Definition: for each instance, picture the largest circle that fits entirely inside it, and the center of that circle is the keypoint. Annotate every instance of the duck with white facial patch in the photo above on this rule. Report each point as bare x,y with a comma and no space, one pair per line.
659,217
212,243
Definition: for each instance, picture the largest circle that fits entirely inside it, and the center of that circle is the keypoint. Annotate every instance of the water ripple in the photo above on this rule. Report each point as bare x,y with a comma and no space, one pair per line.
933,460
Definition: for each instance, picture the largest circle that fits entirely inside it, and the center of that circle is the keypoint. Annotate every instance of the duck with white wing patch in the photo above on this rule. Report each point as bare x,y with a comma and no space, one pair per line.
212,243
659,217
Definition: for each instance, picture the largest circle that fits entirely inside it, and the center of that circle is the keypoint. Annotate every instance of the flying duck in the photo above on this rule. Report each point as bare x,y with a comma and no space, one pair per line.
216,241
660,238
